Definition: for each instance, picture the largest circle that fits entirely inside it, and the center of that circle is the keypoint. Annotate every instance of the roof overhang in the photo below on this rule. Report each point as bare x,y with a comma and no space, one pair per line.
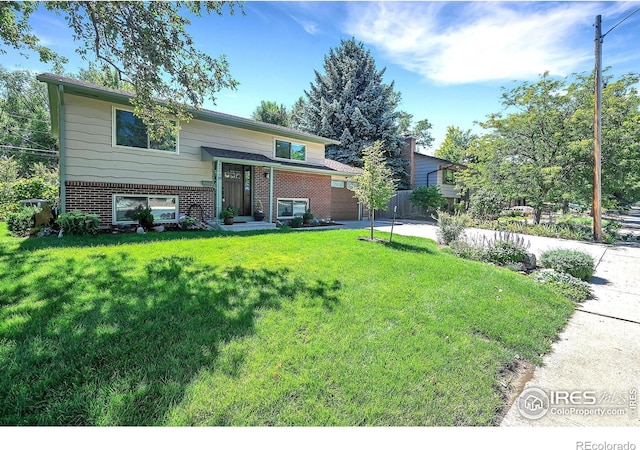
83,89
255,159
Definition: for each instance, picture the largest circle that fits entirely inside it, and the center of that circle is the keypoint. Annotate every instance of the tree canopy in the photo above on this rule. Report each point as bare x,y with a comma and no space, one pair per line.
271,112
145,43
25,131
349,102
540,148
456,145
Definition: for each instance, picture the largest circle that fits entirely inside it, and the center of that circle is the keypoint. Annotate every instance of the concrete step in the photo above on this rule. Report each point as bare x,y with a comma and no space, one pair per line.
248,226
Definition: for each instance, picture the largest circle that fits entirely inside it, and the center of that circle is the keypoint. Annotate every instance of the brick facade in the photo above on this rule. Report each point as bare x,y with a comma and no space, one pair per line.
97,198
315,187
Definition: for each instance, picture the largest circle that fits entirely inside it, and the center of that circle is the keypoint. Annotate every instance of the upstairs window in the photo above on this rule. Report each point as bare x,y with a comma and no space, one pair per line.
448,177
288,150
130,131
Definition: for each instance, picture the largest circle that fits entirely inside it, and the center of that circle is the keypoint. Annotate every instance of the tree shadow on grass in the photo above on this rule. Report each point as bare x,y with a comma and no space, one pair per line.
408,247
110,343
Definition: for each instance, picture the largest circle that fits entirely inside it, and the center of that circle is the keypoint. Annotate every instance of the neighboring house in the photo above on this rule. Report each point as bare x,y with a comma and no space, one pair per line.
428,170
109,166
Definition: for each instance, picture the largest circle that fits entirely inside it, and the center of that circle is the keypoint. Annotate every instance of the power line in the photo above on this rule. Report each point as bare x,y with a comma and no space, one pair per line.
35,150
25,117
612,28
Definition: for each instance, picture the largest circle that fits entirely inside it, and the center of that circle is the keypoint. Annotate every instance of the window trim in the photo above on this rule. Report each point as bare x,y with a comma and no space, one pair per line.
114,220
275,147
114,134
307,200
444,181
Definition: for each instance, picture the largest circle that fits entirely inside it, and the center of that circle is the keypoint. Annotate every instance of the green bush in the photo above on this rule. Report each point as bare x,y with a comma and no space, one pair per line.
21,222
451,227
427,198
573,262
468,250
506,247
564,284
297,222
79,223
485,204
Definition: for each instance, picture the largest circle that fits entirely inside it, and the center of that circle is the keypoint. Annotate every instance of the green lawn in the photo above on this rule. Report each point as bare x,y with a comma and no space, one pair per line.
298,328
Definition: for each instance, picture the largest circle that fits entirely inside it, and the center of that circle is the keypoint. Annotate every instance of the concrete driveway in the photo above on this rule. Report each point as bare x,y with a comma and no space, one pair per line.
592,375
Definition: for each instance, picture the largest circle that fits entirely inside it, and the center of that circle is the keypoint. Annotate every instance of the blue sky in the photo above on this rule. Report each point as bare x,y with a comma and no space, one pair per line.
448,59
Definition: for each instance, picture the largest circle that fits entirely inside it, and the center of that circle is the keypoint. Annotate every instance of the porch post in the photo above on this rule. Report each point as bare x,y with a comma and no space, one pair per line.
271,194
218,189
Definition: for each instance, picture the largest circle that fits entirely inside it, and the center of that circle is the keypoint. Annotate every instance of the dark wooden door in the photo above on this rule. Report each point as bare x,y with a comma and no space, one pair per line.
236,188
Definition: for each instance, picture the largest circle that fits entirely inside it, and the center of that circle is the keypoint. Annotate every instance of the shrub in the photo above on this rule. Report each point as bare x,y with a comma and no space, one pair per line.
468,250
564,284
79,223
573,262
451,227
427,198
20,222
506,247
297,222
485,204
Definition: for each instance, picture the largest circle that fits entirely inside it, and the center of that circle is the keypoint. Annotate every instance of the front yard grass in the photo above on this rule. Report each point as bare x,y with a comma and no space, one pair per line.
313,328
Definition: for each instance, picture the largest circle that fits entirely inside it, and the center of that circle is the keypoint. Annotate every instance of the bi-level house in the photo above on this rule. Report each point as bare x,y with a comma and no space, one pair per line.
109,166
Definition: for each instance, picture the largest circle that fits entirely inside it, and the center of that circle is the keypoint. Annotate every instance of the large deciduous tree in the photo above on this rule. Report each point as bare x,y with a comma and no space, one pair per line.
25,130
147,45
540,147
456,145
376,185
351,103
271,112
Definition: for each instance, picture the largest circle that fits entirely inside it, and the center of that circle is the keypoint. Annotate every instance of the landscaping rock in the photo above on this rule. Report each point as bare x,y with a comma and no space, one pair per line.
140,230
159,228
530,261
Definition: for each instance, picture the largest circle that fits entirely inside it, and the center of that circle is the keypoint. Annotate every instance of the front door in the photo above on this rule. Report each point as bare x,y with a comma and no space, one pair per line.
236,188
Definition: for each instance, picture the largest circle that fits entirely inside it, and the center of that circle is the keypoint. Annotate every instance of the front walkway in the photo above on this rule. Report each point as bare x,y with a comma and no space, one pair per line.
592,375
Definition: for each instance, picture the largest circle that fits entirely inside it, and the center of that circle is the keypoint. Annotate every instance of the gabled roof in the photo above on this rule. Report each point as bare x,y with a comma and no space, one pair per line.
330,166
84,89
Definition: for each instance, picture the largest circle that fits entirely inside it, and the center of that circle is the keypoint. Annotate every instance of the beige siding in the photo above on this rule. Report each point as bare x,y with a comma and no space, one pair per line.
448,190
92,157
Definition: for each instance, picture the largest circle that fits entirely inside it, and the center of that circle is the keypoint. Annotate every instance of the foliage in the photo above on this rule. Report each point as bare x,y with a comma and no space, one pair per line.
103,76
146,43
351,104
506,248
456,144
541,146
422,133
143,216
308,215
21,221
503,249
485,204
259,207
564,284
297,222
271,112
25,130
451,227
79,223
573,262
25,188
229,211
426,197
375,185
180,329
186,222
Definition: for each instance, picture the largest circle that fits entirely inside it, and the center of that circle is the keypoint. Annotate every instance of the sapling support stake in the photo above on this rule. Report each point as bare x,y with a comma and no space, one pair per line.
393,222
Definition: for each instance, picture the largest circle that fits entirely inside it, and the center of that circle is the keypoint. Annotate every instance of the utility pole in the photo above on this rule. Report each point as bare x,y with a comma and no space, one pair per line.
597,137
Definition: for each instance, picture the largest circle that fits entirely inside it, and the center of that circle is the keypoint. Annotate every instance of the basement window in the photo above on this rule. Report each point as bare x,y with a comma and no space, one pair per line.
163,207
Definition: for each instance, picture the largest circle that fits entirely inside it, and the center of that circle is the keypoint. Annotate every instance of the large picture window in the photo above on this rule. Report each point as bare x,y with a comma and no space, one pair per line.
288,150
130,131
292,207
163,207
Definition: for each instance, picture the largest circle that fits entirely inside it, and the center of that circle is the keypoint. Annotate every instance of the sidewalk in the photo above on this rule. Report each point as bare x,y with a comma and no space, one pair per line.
592,373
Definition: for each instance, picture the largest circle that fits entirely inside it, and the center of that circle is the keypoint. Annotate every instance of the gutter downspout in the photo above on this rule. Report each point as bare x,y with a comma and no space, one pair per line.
271,194
62,150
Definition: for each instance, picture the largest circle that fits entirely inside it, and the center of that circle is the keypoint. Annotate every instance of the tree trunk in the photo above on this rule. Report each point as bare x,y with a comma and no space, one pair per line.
371,219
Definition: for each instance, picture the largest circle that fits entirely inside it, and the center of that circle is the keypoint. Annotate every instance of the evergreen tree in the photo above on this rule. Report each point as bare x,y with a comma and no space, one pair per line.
350,103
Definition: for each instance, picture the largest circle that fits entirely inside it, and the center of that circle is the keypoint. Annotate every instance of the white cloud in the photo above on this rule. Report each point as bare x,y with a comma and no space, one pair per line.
307,25
455,43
